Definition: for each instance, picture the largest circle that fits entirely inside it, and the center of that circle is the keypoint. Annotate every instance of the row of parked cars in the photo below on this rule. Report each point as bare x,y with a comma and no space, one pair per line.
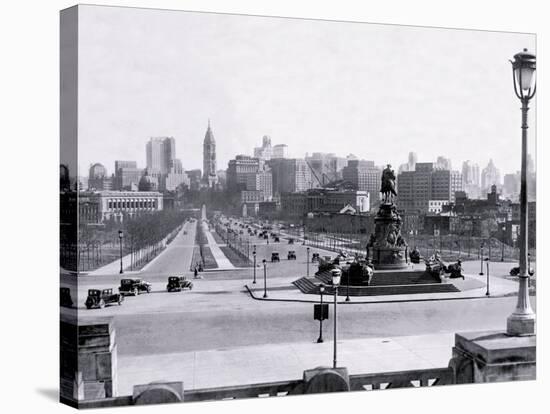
99,298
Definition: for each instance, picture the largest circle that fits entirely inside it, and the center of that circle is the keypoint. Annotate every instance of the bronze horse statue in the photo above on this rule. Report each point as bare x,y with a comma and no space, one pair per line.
388,184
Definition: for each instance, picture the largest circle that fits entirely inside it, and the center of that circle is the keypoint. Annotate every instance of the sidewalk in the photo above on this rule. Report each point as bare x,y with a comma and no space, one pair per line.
280,362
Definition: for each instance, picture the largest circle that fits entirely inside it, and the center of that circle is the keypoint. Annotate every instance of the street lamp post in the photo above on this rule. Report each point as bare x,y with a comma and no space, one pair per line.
336,274
321,291
120,236
307,261
481,259
265,278
522,321
254,254
487,259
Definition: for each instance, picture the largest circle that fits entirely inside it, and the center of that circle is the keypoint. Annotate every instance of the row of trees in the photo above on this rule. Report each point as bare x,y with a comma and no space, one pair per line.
142,237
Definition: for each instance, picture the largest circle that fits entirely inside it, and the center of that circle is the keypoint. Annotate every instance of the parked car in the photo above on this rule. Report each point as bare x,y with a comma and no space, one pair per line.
100,298
314,257
134,287
276,239
65,297
515,271
266,237
178,283
291,255
275,257
291,241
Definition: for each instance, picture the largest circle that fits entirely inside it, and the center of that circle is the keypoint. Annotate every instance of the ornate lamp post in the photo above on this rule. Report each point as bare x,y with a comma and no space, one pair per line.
487,259
265,278
120,236
522,321
321,291
254,254
336,275
481,259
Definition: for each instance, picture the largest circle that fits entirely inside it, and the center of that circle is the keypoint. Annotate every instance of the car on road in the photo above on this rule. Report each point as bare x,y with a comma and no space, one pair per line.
65,297
275,257
100,298
178,283
515,271
314,257
276,239
291,241
291,255
134,287
266,237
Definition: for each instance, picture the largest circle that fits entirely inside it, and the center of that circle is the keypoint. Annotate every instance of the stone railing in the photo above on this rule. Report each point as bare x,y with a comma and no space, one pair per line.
402,379
361,382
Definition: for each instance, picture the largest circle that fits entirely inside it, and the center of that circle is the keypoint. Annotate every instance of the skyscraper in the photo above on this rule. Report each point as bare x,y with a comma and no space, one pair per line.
209,177
490,176
161,152
264,152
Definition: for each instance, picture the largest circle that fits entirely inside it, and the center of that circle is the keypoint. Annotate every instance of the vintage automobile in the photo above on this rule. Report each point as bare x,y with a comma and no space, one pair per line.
275,257
65,297
266,236
178,283
291,255
100,298
291,241
276,239
515,271
134,287
314,257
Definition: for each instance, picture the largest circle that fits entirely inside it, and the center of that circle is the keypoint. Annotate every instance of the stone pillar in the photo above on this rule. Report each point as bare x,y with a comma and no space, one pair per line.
88,360
493,356
323,379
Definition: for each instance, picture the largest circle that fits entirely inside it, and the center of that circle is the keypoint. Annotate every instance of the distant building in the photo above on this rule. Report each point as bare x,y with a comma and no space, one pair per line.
97,177
95,207
490,176
324,201
280,151
209,177
290,175
264,152
160,154
417,188
325,167
443,163
148,183
365,176
195,178
411,163
127,175
511,186
239,169
261,181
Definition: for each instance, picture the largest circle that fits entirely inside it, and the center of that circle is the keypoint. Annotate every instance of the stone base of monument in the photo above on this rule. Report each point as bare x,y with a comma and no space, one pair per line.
493,356
390,258
324,379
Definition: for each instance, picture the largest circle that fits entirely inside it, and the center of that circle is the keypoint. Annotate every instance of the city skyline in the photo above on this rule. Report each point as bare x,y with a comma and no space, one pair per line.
136,84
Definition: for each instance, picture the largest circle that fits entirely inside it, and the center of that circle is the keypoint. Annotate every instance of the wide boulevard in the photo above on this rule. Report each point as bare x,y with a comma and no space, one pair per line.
219,313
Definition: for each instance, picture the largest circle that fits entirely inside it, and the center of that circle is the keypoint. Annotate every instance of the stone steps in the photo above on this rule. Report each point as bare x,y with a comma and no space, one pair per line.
308,286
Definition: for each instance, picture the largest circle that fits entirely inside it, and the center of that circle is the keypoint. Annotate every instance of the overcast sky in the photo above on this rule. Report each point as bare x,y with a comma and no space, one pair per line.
377,91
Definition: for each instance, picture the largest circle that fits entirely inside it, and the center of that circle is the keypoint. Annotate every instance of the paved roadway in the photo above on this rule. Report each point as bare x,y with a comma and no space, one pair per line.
218,313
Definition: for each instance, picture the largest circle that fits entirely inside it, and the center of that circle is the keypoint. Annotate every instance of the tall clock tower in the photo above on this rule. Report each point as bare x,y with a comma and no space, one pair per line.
209,177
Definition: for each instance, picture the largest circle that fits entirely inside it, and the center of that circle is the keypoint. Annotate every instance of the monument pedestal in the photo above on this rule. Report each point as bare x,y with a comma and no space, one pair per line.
493,356
389,249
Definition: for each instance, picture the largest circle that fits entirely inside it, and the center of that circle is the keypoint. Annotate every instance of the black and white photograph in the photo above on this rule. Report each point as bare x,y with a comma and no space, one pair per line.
260,206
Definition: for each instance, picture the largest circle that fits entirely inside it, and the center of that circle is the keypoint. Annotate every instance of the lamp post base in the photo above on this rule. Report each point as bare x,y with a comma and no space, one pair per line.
520,324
